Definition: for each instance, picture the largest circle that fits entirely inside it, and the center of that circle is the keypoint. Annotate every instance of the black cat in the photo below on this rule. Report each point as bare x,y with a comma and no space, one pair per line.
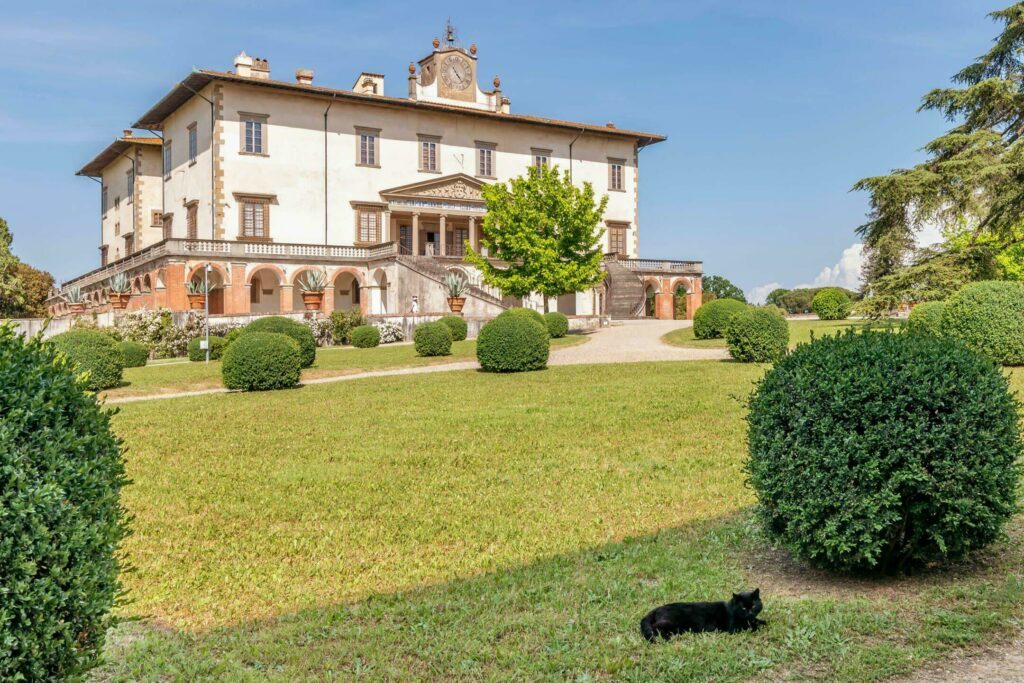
739,614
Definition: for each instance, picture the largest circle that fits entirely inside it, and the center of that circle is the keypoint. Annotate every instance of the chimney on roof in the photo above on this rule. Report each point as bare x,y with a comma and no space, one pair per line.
243,64
127,133
304,76
260,68
369,84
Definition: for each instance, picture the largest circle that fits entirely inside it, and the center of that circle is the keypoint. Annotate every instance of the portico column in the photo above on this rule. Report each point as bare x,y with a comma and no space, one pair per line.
385,228
416,234
444,235
472,233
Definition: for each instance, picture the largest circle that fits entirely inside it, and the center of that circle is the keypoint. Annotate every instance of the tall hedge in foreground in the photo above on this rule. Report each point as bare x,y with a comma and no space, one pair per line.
881,452
989,318
757,335
302,335
61,520
92,352
712,318
513,343
260,361
926,318
831,304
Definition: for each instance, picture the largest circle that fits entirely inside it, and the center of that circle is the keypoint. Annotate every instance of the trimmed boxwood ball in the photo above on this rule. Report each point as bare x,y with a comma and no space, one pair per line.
294,329
432,339
757,335
527,313
457,326
831,304
94,352
926,318
134,354
557,324
259,361
881,452
217,346
61,521
365,336
989,318
513,343
711,319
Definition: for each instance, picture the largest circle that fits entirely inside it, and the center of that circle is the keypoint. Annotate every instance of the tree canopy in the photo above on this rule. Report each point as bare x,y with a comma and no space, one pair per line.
12,293
545,230
722,288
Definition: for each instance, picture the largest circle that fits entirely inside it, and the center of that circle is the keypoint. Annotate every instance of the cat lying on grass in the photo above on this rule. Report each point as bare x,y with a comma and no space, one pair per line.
738,614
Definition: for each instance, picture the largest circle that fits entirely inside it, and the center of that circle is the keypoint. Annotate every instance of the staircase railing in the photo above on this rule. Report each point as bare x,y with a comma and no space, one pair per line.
429,268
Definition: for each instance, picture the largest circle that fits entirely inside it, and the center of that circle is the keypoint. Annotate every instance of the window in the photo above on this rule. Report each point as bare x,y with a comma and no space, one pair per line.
428,154
156,220
129,243
167,159
367,154
254,133
191,215
254,213
192,144
117,228
459,238
541,157
103,200
369,225
485,159
117,203
615,175
103,256
617,233
130,184
165,223
355,291
254,290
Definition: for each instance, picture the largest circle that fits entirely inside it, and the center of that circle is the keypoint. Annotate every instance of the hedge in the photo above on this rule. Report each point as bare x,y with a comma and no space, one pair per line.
711,319
457,326
61,520
133,354
988,317
342,324
882,452
365,336
831,304
294,329
527,313
258,361
557,324
217,347
926,318
513,343
92,352
757,335
432,339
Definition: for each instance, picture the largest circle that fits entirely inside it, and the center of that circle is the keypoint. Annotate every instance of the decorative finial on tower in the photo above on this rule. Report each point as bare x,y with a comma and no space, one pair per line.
497,82
412,68
436,43
472,49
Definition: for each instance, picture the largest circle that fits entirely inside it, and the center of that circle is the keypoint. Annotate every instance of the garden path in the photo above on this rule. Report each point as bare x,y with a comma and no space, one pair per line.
1003,663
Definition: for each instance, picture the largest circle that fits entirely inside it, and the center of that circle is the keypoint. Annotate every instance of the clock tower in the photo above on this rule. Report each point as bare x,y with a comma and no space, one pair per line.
449,75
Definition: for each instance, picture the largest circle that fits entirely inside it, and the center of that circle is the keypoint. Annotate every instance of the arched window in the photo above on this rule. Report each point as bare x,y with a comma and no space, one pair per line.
355,291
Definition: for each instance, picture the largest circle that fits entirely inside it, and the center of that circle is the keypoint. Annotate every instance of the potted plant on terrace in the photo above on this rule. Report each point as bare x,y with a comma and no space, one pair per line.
313,285
76,303
196,292
454,288
120,291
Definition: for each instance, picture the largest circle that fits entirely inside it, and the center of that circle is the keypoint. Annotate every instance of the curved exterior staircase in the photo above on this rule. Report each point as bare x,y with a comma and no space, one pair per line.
625,291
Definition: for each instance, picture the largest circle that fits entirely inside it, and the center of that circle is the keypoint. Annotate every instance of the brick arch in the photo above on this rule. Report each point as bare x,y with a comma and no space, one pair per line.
304,269
281,279
651,280
225,278
360,278
685,281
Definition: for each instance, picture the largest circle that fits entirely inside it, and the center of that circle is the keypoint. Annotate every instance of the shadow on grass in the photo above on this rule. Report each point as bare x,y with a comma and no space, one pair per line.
575,616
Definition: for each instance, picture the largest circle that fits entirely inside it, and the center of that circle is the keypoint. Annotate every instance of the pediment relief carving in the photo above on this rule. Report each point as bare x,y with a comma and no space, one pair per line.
461,188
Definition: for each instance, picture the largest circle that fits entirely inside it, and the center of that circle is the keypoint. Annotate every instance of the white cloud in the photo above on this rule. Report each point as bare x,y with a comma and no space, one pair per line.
757,295
845,273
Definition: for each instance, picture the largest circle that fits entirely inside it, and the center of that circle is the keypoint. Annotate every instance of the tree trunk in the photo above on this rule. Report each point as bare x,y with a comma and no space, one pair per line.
545,302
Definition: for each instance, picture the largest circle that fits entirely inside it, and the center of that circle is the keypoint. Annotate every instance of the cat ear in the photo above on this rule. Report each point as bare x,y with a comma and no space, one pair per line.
756,593
735,596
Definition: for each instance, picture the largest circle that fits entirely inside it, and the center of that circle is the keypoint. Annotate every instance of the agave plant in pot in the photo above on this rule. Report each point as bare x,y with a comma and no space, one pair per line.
455,290
76,302
313,284
120,291
195,290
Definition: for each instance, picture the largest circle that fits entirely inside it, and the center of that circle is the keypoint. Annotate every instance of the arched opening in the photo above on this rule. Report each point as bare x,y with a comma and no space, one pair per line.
147,284
650,292
347,292
379,294
137,286
679,295
264,291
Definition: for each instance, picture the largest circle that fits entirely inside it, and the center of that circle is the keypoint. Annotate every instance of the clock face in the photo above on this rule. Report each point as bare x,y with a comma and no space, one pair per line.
456,72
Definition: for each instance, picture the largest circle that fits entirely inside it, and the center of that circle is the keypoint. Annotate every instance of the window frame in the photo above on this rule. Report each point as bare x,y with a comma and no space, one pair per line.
373,157
104,200
374,232
193,143
425,140
156,219
244,119
488,151
540,153
192,220
246,200
168,159
167,225
612,165
130,183
620,229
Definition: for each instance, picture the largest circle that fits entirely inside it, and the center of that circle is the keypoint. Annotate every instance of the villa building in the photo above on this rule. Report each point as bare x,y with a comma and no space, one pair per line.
266,179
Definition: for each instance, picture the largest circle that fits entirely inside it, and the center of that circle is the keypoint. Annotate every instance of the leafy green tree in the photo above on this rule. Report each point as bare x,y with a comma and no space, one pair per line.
775,297
35,285
12,291
545,230
722,288
974,173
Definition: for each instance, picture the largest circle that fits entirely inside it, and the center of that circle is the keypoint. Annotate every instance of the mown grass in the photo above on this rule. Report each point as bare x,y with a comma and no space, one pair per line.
800,331
467,526
176,377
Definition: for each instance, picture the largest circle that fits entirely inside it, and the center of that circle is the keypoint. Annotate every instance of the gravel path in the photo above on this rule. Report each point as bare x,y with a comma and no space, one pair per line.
1003,663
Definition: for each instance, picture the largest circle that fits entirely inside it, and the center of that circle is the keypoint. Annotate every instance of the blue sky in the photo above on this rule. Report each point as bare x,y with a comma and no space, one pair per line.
773,109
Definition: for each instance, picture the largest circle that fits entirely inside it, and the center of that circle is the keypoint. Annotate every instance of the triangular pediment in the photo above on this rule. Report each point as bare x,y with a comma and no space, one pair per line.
458,186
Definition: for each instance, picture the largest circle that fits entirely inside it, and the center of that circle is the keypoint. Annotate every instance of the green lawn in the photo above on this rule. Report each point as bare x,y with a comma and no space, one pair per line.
469,526
169,377
799,331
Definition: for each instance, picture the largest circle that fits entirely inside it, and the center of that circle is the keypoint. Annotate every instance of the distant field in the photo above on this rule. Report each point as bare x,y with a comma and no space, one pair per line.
799,331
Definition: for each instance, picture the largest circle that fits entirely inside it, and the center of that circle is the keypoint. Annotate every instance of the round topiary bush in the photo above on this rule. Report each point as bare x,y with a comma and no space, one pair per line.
557,324
757,335
217,347
882,452
457,326
515,343
527,313
711,319
61,520
365,336
989,318
258,361
134,354
93,352
831,304
926,318
294,329
432,339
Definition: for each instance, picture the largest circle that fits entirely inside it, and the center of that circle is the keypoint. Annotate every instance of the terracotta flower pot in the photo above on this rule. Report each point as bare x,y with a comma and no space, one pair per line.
119,300
196,301
313,300
456,303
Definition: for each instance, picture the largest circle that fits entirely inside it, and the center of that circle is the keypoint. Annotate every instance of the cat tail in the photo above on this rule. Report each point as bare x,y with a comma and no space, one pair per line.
647,629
